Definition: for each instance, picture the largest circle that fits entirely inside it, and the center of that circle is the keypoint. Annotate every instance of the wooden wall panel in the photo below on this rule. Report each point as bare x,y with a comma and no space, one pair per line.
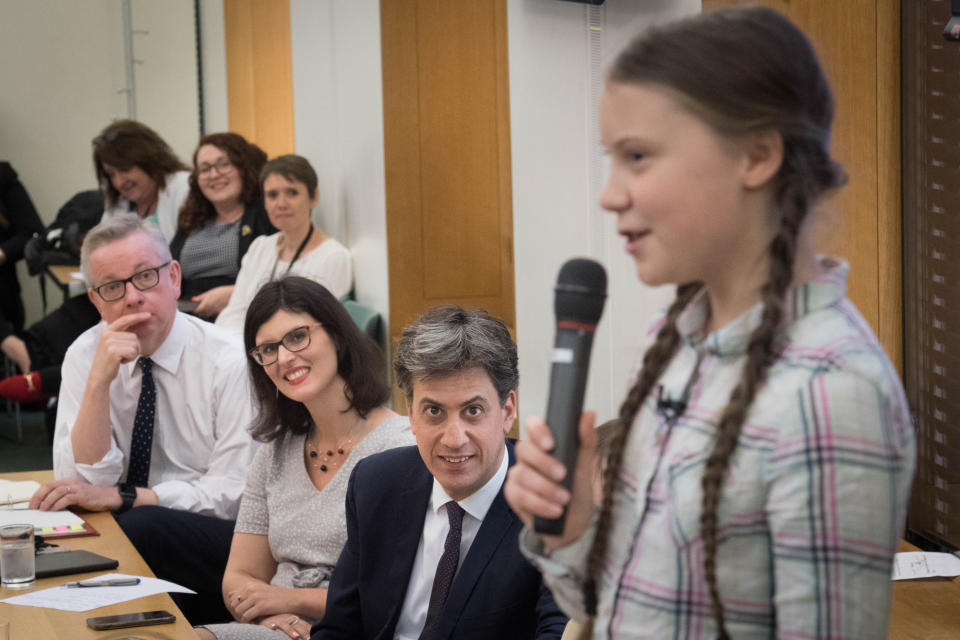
447,157
259,72
858,43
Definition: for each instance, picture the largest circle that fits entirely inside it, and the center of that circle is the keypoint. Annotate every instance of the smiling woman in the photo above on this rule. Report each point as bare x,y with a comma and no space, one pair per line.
221,218
139,172
320,385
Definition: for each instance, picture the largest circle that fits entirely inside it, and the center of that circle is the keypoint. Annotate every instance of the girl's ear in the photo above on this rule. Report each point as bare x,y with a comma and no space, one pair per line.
763,157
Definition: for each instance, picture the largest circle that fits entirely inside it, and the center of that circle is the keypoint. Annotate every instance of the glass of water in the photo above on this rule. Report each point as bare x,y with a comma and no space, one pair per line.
17,555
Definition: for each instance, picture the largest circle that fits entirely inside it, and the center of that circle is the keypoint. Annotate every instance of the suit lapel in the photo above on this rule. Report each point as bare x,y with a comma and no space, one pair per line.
403,530
489,537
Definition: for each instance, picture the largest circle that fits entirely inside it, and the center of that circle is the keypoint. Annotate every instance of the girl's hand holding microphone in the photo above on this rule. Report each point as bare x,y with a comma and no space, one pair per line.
533,486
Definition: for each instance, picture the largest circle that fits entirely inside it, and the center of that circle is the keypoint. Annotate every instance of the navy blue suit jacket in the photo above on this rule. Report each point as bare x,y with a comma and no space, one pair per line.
497,593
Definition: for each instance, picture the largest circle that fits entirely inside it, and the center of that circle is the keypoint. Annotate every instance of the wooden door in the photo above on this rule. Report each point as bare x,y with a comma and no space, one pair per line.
259,72
859,46
447,158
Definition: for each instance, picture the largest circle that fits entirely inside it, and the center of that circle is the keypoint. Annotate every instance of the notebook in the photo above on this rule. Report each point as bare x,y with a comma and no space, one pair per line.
62,563
49,524
12,492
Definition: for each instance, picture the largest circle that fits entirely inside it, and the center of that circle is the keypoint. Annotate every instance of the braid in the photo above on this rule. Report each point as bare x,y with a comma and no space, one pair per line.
655,360
763,348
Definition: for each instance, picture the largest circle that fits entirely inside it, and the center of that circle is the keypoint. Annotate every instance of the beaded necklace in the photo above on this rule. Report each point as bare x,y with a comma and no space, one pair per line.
326,459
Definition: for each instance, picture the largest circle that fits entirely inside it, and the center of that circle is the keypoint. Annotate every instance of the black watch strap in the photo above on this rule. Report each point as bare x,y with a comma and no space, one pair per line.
128,494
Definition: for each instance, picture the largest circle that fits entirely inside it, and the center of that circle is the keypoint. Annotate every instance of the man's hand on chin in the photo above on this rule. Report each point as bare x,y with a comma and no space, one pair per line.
68,492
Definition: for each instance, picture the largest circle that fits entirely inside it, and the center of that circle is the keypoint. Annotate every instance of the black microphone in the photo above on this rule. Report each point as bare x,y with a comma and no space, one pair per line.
578,304
671,409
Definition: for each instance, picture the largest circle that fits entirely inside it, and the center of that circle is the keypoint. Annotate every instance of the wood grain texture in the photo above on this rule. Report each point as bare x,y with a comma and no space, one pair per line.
924,609
889,189
260,73
447,158
33,623
858,44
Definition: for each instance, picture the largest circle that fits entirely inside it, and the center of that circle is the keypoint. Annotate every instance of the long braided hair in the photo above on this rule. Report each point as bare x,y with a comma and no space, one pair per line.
741,71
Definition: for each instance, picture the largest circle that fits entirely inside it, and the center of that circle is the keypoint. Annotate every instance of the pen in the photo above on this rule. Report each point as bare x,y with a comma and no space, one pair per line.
116,582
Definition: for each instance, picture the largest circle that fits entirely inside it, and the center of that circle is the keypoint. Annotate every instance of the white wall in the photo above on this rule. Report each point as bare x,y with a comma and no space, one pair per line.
555,212
62,72
338,120
213,53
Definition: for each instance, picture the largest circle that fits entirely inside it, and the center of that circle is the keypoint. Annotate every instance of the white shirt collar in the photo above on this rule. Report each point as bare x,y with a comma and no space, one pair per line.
478,503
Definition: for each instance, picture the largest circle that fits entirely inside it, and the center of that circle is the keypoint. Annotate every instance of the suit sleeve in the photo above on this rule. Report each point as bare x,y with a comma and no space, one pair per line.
551,621
343,617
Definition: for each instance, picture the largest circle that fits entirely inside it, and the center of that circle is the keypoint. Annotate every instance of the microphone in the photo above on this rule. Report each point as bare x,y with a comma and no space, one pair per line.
578,304
671,409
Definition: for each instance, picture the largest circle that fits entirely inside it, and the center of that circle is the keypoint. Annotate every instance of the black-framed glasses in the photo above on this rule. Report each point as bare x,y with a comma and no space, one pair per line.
142,280
294,340
220,165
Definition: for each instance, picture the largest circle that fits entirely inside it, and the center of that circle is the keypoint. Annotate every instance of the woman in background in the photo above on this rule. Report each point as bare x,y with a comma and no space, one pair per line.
320,384
299,248
769,500
222,216
139,172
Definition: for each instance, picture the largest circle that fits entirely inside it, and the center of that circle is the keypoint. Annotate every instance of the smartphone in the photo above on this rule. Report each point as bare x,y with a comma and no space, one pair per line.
131,620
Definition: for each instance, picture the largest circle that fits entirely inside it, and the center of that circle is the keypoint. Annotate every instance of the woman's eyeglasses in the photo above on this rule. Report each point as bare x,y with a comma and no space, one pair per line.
220,165
142,280
294,340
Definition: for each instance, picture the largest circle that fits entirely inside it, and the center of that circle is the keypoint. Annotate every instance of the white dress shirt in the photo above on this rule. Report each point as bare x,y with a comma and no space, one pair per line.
201,448
436,525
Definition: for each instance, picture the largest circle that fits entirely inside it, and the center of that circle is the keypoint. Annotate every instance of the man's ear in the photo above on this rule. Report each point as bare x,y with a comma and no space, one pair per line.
175,275
763,158
509,409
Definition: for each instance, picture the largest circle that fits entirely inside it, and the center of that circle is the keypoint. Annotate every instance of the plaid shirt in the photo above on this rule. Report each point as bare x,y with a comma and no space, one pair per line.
814,499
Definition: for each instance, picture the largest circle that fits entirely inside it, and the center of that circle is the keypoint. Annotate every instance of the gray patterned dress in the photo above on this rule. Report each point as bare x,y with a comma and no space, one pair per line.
306,528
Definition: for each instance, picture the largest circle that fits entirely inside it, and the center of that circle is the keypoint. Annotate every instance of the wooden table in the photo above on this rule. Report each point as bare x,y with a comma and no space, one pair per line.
34,623
60,275
925,609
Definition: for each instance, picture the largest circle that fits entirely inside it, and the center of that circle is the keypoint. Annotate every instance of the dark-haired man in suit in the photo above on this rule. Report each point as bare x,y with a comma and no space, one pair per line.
431,546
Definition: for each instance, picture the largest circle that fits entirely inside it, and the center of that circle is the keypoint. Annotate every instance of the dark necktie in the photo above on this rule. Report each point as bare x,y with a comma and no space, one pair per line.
446,569
138,471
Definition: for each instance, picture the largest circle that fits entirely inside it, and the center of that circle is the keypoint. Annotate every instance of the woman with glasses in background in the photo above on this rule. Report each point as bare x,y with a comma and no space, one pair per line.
320,385
222,216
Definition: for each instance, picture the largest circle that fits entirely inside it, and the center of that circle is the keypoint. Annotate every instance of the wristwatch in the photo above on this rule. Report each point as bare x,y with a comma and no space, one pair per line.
128,495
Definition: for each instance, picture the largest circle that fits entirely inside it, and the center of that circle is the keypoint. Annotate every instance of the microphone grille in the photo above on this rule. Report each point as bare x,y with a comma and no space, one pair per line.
581,291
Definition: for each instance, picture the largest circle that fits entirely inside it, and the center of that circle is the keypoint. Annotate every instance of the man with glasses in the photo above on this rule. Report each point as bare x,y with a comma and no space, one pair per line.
153,412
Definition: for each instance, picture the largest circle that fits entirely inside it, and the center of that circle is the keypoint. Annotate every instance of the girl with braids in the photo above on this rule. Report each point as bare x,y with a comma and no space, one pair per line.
758,476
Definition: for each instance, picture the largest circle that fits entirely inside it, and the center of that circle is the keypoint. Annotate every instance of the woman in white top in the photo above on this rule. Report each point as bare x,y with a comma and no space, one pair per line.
299,249
138,171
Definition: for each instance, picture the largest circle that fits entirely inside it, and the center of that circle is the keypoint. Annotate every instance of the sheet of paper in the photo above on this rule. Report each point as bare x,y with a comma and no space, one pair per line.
43,522
21,491
924,564
87,598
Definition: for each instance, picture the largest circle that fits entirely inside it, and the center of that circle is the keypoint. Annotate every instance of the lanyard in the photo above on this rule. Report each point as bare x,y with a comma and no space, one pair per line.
296,255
